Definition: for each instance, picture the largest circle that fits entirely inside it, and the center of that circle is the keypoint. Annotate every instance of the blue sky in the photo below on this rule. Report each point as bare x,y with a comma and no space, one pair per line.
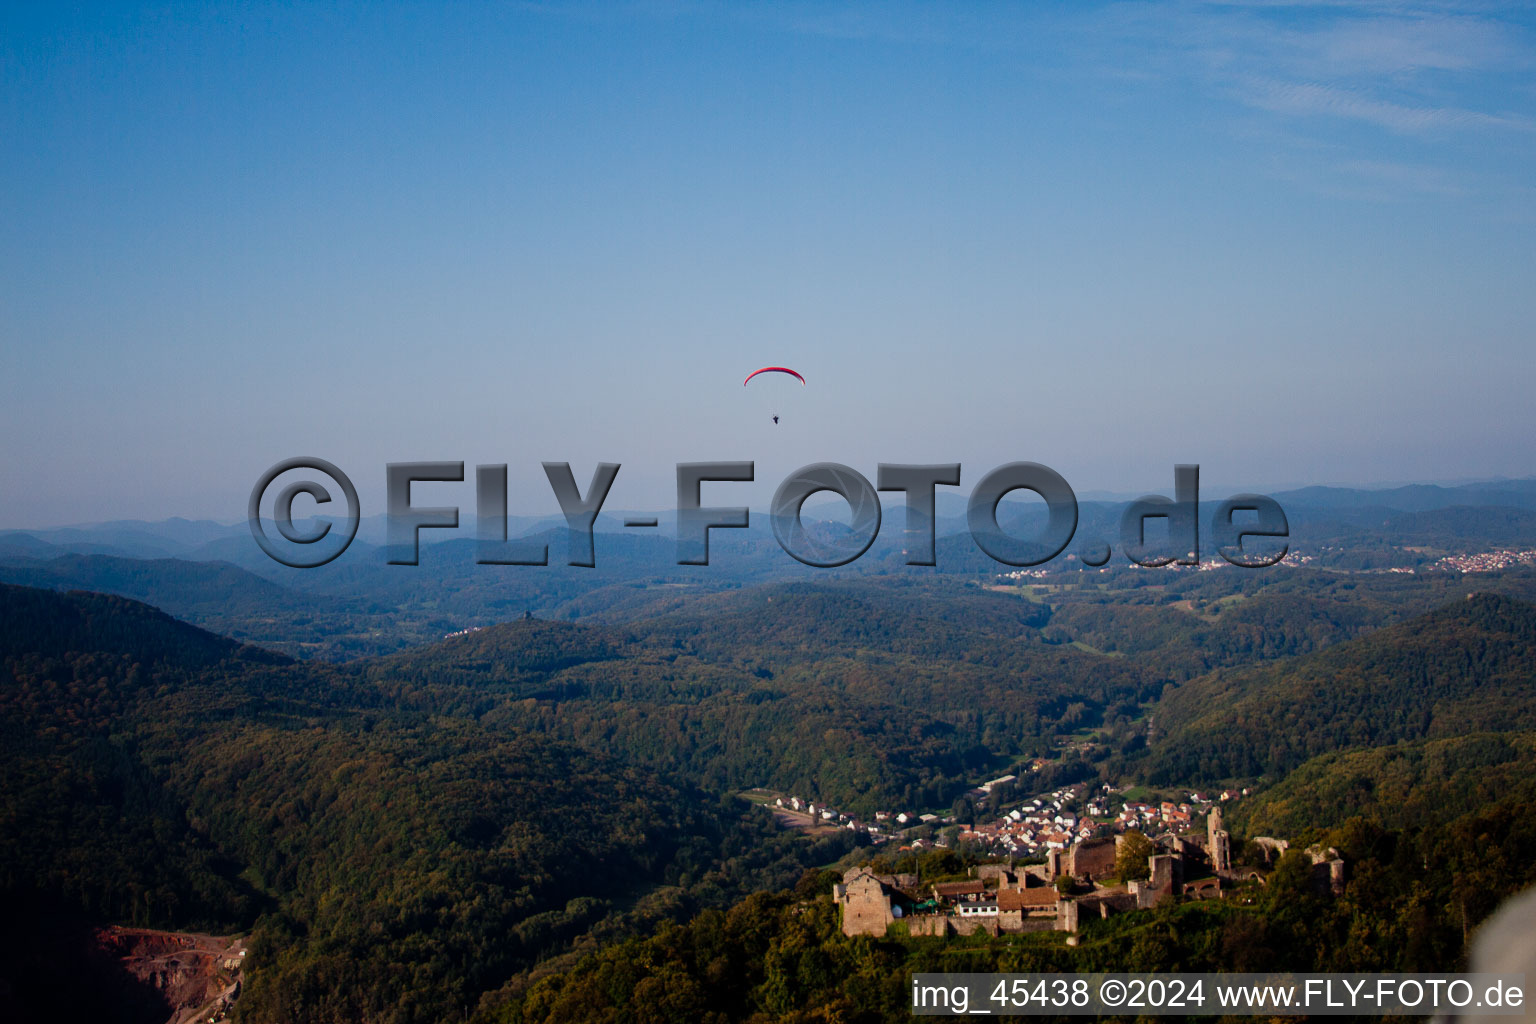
1292,243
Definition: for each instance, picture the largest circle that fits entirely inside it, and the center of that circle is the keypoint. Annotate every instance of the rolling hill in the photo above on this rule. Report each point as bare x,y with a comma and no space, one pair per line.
156,774
1468,667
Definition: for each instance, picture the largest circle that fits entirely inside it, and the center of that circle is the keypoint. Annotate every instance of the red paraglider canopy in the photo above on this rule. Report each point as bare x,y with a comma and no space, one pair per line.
774,369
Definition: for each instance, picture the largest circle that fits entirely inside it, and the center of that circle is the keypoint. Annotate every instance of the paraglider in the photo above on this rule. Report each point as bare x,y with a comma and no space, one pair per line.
774,369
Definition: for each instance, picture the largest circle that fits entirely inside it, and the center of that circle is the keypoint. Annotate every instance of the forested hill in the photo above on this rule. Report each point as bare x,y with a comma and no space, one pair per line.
237,603
867,695
831,613
522,648
1416,782
45,622
1468,667
391,862
402,835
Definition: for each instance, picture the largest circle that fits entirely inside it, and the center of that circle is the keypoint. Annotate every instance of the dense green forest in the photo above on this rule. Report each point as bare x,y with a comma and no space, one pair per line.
868,698
1465,668
1419,781
495,822
391,862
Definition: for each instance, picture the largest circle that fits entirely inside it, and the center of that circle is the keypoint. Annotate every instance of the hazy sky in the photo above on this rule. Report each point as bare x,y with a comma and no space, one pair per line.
1291,243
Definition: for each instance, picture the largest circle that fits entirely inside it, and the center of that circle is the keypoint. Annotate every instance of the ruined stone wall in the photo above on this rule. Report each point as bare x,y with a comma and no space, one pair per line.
933,926
1093,858
1018,923
972,925
1167,873
1001,872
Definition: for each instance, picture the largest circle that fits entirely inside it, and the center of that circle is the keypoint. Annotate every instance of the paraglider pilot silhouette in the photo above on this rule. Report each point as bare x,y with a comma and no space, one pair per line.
774,369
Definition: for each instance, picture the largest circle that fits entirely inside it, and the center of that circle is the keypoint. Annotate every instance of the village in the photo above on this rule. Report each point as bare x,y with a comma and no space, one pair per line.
1092,877
1058,859
1022,829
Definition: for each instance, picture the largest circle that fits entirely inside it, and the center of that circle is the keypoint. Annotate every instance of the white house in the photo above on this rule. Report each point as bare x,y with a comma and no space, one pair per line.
980,908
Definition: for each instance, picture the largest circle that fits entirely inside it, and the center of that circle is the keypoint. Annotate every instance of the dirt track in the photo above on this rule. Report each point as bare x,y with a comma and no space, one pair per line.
801,821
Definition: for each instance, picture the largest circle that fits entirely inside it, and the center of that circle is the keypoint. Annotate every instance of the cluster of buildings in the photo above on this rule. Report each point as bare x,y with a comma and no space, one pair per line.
1483,561
1075,883
1292,558
1050,822
1056,821
886,826
1487,561
1031,828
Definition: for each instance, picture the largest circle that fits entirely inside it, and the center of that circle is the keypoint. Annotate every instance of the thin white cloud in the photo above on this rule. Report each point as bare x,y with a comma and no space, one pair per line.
1377,101
1397,45
1398,68
1317,99
1344,74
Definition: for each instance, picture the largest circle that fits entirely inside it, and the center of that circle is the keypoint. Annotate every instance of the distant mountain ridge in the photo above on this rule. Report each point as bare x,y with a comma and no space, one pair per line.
201,539
1415,497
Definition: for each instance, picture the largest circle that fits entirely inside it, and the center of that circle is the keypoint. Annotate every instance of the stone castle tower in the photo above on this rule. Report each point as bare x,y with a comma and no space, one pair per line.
1218,845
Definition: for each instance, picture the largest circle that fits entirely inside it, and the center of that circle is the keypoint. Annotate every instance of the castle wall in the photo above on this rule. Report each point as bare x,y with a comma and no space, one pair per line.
1093,858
